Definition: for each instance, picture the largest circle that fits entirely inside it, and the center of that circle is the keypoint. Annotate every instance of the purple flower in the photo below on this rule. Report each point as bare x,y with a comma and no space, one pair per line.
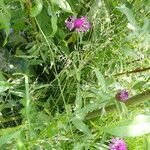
122,95
117,144
79,24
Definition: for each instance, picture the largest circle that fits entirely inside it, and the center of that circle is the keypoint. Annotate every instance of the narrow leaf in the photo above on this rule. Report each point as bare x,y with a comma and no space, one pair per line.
78,101
54,23
100,78
80,125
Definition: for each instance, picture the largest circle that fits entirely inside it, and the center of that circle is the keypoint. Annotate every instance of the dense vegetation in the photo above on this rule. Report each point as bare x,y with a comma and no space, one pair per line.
59,86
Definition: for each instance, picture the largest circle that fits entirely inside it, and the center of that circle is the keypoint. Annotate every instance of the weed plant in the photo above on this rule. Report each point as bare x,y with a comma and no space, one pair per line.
58,86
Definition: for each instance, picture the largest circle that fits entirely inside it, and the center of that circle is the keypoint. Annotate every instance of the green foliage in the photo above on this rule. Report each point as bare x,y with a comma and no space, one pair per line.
37,8
51,78
138,126
5,16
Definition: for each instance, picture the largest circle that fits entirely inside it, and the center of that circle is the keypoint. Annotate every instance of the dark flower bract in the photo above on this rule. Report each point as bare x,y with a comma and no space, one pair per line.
122,95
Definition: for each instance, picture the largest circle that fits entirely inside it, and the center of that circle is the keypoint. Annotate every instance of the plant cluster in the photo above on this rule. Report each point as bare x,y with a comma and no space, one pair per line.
74,74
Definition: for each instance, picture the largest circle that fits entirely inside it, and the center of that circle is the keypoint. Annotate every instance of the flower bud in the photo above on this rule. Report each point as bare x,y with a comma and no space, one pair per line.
122,95
117,144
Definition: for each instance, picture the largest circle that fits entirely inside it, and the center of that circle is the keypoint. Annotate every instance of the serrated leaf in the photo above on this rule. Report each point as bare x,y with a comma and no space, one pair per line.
82,113
86,109
37,8
80,125
138,126
100,78
8,137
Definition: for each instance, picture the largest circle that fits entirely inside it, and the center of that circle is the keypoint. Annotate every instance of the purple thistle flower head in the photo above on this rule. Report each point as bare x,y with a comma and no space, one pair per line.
79,24
122,95
117,144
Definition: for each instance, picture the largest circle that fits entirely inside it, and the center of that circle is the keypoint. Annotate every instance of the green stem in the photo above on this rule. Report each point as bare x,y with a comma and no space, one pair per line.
29,6
133,71
27,95
139,98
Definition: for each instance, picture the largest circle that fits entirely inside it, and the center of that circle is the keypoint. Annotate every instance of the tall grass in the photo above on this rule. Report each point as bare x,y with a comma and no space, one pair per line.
51,79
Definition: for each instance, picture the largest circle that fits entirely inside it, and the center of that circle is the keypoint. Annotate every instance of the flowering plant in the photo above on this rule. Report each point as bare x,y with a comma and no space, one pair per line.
78,24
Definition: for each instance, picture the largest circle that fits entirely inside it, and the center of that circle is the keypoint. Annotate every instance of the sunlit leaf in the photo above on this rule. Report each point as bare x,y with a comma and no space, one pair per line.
63,4
138,126
37,8
8,137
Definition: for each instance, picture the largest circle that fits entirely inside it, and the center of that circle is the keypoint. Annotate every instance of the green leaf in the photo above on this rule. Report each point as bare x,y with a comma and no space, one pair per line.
54,23
63,4
49,10
100,78
88,108
146,143
138,126
78,101
7,137
2,78
80,125
64,47
5,17
129,15
4,86
139,84
129,52
95,7
52,14
37,8
27,97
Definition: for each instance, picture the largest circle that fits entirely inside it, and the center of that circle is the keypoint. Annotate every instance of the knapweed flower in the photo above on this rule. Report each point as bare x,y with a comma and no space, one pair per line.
78,24
117,144
122,95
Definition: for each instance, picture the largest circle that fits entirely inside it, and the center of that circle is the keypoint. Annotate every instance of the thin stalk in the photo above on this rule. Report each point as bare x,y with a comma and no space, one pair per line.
29,6
53,64
133,71
27,95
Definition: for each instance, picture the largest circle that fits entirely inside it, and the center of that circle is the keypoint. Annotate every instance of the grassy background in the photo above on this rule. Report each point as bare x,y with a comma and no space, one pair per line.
48,74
